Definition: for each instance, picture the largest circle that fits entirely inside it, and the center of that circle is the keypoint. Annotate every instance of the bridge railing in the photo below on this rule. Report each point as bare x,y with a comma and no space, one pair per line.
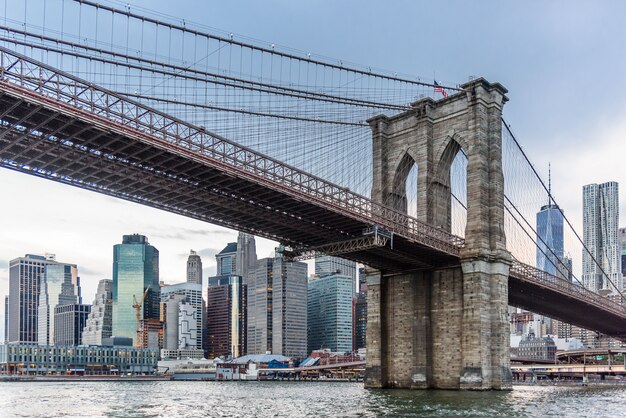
533,274
139,120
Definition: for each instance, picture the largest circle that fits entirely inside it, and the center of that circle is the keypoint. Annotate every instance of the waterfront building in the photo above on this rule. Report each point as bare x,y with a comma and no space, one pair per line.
330,313
600,225
192,293
135,272
194,268
182,354
99,324
226,316
22,312
537,348
289,315
60,285
88,360
69,322
360,314
260,295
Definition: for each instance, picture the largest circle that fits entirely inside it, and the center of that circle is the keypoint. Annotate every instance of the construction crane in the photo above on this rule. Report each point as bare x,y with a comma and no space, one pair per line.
137,307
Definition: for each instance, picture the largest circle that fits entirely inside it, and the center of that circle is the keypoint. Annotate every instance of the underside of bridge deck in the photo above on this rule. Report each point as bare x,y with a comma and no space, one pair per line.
65,148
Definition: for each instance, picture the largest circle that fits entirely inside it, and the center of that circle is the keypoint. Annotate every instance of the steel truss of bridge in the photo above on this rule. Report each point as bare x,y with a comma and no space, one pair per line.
59,127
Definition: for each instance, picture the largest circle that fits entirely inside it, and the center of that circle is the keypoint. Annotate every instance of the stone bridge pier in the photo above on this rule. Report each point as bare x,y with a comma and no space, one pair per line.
447,327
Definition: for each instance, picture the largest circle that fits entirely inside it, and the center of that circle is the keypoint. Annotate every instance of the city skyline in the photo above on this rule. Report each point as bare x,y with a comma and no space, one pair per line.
68,230
592,142
447,150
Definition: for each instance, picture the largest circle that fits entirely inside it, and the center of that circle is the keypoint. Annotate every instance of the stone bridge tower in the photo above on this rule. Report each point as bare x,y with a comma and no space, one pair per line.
443,328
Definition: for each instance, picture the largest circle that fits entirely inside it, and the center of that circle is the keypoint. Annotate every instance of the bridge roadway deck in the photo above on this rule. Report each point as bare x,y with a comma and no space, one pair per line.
58,127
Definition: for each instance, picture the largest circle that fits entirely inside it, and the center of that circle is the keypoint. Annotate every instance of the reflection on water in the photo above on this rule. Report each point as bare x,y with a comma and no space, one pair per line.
298,399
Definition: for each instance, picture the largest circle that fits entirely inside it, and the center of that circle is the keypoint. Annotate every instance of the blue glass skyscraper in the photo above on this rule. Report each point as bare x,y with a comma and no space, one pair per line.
550,239
135,271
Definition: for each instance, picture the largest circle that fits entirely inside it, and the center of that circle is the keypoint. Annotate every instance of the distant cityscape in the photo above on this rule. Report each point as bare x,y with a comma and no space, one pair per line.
251,307
536,337
260,310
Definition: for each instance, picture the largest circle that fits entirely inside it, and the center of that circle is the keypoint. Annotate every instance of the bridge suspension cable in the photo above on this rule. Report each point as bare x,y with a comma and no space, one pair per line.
309,112
540,188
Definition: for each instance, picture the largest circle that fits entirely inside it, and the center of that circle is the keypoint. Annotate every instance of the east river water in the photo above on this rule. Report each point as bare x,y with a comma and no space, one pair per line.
298,399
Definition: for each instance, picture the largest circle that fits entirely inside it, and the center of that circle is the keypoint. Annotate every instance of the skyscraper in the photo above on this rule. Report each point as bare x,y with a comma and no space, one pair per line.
289,314
226,316
550,239
25,275
600,225
69,323
260,295
227,260
622,245
169,313
360,313
246,256
100,320
60,285
192,294
194,268
238,258
330,313
328,264
135,272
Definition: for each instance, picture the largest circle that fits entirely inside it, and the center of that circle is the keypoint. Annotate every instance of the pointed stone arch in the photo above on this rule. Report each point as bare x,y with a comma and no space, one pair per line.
440,187
402,169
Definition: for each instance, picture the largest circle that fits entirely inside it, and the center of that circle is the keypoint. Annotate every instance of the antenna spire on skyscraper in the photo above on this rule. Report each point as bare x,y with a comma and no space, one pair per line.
549,184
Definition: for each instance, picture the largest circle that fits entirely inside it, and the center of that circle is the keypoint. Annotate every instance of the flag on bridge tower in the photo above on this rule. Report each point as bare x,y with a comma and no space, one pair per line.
439,89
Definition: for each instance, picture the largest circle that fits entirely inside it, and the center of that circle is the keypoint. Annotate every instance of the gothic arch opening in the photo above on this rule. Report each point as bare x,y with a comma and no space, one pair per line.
404,191
449,190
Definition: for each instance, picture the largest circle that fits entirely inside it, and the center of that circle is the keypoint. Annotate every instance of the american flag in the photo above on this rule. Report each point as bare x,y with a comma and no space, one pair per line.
439,89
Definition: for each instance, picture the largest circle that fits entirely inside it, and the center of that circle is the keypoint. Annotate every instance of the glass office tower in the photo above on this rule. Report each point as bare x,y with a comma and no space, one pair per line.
550,239
330,313
135,272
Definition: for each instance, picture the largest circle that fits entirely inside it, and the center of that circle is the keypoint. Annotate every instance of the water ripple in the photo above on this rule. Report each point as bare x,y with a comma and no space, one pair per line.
297,399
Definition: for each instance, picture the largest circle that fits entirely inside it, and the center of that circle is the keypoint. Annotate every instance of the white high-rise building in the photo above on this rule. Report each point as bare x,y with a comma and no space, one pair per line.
187,326
100,320
192,293
600,226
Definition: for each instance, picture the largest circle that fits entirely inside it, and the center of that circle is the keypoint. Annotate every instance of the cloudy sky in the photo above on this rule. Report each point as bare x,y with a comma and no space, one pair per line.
562,61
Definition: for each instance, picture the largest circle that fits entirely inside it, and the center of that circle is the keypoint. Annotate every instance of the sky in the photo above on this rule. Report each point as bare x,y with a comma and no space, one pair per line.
562,62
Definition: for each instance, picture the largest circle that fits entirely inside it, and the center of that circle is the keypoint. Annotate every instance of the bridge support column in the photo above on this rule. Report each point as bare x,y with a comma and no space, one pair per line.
398,331
376,371
485,328
442,329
